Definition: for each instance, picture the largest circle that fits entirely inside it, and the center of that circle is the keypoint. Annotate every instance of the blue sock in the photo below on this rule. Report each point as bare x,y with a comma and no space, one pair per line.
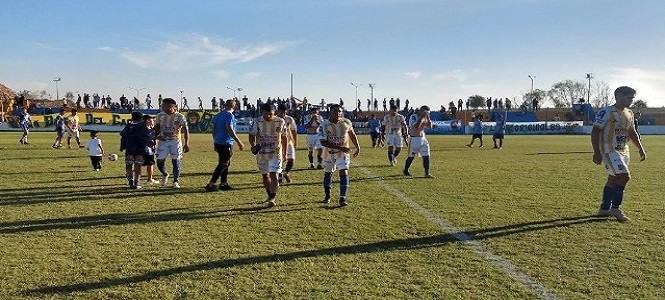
618,196
176,169
161,167
426,164
343,184
327,183
608,196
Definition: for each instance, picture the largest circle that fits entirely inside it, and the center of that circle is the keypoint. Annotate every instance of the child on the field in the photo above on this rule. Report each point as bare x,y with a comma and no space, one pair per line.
149,156
95,150
134,138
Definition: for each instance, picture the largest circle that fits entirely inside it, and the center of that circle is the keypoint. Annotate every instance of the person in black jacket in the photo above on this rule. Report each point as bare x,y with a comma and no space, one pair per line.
134,139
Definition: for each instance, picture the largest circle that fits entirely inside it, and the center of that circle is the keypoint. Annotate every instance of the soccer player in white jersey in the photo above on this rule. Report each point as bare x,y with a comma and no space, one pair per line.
268,140
419,145
24,122
612,129
312,122
291,142
335,134
169,124
394,127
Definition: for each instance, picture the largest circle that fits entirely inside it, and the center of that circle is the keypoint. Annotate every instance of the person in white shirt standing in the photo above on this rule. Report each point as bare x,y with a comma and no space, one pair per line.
95,150
419,145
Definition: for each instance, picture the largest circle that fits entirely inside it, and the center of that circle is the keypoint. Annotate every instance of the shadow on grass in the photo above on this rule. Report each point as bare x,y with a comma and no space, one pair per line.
557,153
382,246
148,217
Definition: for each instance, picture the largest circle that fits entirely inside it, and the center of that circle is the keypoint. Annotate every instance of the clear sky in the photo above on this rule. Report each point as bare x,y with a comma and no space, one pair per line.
430,52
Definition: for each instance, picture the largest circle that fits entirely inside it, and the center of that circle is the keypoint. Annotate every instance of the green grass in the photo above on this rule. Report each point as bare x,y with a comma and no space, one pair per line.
67,232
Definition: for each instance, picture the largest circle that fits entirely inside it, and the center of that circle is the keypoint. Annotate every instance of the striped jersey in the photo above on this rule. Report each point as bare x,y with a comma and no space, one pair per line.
269,136
73,122
290,125
614,124
336,134
170,126
394,123
312,123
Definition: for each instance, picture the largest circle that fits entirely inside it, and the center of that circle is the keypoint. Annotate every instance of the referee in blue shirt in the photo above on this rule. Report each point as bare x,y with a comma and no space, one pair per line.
224,134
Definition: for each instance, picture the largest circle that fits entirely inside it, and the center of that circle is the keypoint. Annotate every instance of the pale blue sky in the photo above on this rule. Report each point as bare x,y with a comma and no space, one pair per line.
430,52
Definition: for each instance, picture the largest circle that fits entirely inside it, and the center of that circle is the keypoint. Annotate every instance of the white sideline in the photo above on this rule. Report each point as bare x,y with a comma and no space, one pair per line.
500,263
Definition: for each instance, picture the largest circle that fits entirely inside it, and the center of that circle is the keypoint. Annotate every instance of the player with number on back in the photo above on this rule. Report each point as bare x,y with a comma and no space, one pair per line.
335,134
395,130
312,122
612,129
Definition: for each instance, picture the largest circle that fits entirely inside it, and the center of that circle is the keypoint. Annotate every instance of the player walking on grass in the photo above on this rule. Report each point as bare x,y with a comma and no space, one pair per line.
149,155
73,129
312,122
477,130
59,129
291,142
268,140
395,130
95,150
224,134
419,145
169,124
25,123
134,138
499,131
335,134
613,128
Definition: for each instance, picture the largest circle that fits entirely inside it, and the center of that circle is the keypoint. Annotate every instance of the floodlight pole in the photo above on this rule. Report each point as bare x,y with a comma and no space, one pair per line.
531,77
588,95
371,91
356,86
181,91
137,91
57,92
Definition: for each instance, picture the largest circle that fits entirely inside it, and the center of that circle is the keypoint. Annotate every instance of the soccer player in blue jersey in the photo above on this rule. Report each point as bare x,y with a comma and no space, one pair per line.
335,134
499,131
477,130
135,137
613,128
374,125
224,135
60,128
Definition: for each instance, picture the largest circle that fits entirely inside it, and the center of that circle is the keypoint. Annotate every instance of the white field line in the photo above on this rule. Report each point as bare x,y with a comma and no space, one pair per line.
501,263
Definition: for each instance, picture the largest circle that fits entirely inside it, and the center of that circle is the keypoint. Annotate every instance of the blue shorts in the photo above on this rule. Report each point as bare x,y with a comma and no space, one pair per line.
498,135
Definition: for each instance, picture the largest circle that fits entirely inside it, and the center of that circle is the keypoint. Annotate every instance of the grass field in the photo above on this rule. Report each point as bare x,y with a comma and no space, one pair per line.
67,232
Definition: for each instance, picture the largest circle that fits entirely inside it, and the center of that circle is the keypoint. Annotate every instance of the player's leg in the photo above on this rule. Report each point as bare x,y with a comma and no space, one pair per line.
413,151
328,168
162,153
342,163
176,158
129,169
319,157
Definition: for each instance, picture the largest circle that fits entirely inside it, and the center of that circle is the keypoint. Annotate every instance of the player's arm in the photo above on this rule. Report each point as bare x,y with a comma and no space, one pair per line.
233,135
354,140
595,143
284,141
632,133
185,132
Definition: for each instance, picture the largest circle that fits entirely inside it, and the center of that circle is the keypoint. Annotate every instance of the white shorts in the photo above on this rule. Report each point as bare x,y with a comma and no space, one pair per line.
313,142
271,165
418,145
170,147
72,133
616,163
337,162
394,140
290,152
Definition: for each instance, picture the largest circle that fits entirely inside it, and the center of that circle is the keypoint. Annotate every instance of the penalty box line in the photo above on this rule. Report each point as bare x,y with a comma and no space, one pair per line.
497,261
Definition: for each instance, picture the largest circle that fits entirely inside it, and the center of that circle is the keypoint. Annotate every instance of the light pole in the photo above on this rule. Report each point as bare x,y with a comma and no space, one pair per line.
238,89
588,95
57,92
356,85
181,91
531,77
371,91
137,91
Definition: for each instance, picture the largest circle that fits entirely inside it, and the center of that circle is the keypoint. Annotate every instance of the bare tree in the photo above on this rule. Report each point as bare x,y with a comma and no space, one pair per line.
539,94
601,94
565,93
